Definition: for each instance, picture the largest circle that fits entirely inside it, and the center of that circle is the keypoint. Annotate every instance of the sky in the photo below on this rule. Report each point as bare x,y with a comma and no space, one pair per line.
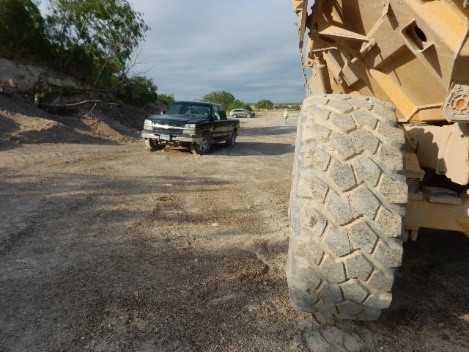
245,47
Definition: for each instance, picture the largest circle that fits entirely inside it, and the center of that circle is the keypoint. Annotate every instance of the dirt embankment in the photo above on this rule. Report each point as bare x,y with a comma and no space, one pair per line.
107,247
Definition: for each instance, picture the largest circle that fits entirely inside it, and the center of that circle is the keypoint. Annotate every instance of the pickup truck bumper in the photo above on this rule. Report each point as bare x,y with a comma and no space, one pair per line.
170,138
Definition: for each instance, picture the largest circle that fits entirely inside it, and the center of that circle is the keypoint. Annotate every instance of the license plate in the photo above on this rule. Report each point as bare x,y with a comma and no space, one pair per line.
165,137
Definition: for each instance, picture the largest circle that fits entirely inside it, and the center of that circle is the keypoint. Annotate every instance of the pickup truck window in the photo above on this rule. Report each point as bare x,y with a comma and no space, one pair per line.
188,109
219,113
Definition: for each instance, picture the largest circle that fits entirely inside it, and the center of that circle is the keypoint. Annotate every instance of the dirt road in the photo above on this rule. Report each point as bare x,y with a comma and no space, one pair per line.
107,247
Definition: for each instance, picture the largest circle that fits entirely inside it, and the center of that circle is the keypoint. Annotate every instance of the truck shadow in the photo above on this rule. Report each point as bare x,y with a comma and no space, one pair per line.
253,148
427,263
268,131
432,283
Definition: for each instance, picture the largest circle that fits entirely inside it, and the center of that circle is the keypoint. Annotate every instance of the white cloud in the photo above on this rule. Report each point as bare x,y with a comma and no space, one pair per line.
246,47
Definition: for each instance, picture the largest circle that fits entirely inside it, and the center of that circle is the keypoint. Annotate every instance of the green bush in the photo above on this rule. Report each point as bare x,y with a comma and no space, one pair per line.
22,31
220,97
264,104
136,90
289,106
166,99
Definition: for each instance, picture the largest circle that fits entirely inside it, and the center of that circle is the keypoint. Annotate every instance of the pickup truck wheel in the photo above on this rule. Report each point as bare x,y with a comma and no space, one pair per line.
231,141
346,207
152,144
205,144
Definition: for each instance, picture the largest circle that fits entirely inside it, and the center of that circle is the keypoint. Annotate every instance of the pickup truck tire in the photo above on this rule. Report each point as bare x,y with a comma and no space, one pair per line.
346,209
151,144
204,146
231,141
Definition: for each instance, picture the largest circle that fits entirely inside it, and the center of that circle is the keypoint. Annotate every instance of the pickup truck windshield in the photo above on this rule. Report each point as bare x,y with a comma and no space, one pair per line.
189,109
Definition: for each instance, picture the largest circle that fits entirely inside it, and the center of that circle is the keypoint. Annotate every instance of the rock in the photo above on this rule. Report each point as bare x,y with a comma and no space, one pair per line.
8,87
27,77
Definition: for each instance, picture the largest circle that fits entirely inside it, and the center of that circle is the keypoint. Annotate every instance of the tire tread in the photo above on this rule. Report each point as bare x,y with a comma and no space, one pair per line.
346,207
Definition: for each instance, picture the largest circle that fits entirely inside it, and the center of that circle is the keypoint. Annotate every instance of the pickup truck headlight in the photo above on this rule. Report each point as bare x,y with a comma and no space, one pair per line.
190,125
147,124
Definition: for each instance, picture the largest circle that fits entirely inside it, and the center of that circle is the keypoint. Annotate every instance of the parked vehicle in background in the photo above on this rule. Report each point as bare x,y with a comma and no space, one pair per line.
192,125
236,113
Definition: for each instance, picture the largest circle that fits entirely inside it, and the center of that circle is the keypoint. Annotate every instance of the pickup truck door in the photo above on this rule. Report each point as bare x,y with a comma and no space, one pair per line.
221,126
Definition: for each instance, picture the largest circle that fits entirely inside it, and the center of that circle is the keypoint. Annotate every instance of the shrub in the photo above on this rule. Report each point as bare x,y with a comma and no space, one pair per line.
166,99
22,30
264,104
136,90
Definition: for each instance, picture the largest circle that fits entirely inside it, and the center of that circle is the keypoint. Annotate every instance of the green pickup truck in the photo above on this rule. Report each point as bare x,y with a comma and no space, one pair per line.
192,125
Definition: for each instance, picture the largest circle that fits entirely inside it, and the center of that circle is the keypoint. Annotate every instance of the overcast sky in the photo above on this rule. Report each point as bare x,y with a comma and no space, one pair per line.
246,47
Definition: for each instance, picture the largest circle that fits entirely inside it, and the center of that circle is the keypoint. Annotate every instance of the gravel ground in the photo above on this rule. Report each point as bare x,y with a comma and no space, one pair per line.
107,247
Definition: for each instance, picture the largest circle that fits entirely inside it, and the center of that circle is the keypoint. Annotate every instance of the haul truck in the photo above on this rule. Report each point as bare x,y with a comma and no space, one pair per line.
382,145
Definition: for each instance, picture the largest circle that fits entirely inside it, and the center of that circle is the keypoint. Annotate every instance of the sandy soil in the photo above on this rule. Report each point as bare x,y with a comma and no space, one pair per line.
107,247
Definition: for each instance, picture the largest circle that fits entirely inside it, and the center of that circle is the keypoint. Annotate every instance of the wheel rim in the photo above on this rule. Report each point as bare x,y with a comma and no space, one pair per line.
204,144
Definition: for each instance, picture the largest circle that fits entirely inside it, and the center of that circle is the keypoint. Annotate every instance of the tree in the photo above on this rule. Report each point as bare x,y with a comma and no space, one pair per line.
220,97
166,99
264,104
136,90
21,28
236,104
102,33
247,107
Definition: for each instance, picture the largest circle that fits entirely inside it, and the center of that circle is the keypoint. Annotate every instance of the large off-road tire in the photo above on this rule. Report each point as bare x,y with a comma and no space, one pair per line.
346,207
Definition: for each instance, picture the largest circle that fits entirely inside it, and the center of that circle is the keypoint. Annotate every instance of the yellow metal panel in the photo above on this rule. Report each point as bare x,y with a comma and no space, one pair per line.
444,17
395,94
423,214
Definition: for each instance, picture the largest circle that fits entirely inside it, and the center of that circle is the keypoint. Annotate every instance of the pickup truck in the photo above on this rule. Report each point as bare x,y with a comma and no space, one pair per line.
192,125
